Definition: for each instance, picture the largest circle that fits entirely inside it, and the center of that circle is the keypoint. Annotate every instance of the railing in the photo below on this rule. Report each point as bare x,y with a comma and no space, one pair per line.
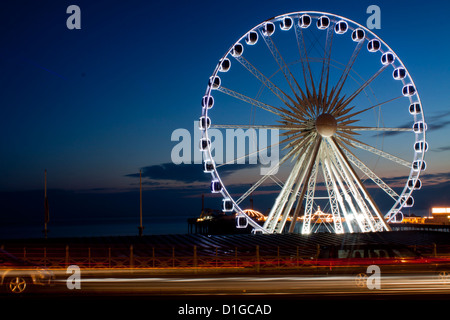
61,257
419,227
155,257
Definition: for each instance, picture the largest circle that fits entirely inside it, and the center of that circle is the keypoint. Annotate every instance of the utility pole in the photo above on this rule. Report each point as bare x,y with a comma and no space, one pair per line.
46,218
141,228
203,203
251,199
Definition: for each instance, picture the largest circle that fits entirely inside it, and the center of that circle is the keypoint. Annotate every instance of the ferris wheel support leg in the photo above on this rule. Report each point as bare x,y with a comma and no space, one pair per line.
340,178
306,228
292,198
378,225
302,195
304,159
363,213
338,184
332,194
276,210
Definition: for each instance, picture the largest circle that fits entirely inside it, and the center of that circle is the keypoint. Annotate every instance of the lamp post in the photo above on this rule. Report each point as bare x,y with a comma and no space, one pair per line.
141,228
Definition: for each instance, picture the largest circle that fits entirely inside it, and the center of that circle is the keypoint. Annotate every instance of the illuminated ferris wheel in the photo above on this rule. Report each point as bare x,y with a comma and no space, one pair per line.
346,118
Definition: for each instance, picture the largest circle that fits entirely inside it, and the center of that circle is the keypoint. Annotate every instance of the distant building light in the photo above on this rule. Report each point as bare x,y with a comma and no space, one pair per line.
440,210
255,214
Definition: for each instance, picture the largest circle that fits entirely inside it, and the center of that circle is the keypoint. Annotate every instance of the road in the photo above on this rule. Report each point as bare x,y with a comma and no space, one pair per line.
229,296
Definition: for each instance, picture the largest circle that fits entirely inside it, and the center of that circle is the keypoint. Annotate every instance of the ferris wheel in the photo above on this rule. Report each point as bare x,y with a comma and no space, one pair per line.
346,118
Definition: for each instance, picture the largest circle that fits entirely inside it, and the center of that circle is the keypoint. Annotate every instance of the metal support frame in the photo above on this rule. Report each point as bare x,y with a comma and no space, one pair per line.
375,225
306,228
353,201
333,196
311,163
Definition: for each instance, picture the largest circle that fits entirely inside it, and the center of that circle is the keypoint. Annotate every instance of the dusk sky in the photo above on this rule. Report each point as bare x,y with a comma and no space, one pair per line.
94,106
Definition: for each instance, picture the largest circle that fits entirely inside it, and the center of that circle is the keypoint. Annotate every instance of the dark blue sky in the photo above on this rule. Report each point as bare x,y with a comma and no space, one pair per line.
93,106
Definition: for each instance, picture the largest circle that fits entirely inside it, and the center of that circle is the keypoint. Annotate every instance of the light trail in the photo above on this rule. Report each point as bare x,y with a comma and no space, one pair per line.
264,285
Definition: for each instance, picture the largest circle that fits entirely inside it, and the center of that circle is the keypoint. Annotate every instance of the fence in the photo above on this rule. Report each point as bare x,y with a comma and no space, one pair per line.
173,257
61,257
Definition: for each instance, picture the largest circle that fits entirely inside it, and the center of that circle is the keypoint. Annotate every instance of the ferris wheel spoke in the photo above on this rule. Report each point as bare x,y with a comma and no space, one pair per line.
251,101
256,185
308,78
378,152
290,79
315,43
339,108
359,128
295,136
325,74
264,177
277,181
257,126
348,136
266,81
377,180
342,113
340,84
248,155
298,145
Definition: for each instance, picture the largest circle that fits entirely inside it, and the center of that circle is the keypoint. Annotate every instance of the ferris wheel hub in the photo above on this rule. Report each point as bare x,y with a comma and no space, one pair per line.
326,125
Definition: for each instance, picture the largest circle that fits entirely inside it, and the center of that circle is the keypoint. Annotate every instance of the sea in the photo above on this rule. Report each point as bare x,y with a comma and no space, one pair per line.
104,227
123,226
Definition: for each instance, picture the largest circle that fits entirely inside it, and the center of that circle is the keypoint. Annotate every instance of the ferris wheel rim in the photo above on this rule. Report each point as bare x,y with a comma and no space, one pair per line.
406,192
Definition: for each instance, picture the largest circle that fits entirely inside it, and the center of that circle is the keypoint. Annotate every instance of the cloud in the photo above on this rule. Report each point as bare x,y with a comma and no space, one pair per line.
428,178
434,122
437,125
437,120
435,178
170,171
441,149
435,116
